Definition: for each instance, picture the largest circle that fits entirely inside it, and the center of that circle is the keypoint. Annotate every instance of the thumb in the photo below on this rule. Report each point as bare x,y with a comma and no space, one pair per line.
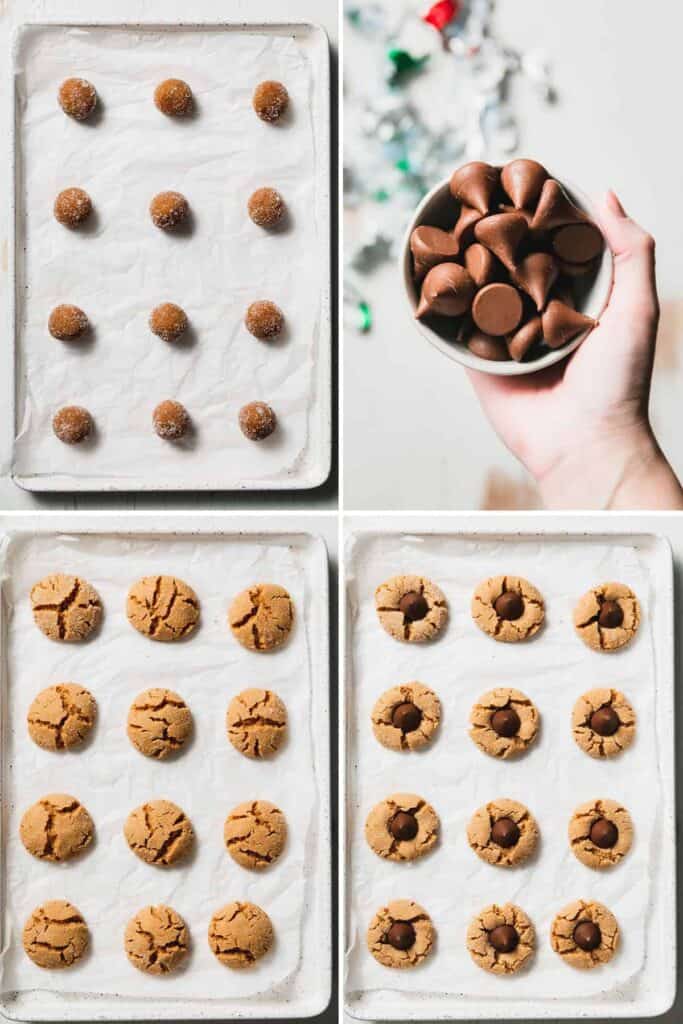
635,290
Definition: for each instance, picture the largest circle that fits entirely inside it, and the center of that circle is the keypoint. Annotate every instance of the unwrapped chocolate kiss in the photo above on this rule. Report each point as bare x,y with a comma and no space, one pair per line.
502,234
474,184
431,246
446,290
523,181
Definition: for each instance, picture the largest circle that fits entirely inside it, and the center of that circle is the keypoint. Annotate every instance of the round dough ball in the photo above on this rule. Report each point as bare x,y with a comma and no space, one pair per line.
67,323
168,209
168,321
266,207
257,421
77,98
171,420
264,320
174,97
72,207
72,424
270,100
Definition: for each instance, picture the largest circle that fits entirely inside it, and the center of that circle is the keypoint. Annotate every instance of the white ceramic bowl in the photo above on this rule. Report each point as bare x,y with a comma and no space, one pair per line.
438,208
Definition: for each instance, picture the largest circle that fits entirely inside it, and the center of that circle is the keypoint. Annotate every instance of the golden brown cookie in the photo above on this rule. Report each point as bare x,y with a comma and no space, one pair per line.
65,607
56,828
508,608
600,833
411,608
503,832
255,834
406,716
240,934
163,608
603,722
401,934
585,934
402,827
504,722
501,940
61,716
55,935
256,722
262,616
156,940
159,723
607,617
159,833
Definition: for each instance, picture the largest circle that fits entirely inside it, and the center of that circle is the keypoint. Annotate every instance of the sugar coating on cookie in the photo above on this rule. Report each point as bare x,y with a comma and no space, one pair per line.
72,207
402,827
270,100
77,98
607,617
60,717
508,608
163,608
406,717
401,934
168,209
56,828
55,935
173,97
585,934
256,723
600,833
266,207
257,420
255,833
72,424
156,940
501,939
240,934
159,832
168,321
67,323
171,420
504,722
159,722
603,722
264,320
261,617
65,607
411,608
503,832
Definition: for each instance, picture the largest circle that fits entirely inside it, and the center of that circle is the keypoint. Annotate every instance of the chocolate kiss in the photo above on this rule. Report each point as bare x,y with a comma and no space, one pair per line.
480,263
502,234
521,341
536,274
561,323
555,208
431,246
474,185
523,181
487,347
447,290
465,222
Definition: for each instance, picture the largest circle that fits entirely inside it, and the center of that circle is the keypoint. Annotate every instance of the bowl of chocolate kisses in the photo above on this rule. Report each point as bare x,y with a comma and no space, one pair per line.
505,268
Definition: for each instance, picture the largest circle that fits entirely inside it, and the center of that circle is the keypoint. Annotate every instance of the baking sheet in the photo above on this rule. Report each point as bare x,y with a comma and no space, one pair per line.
120,266
452,883
108,884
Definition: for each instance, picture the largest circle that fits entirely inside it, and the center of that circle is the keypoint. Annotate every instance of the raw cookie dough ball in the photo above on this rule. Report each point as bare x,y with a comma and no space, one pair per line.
270,100
56,828
173,97
168,209
402,827
77,98
65,607
508,608
607,617
585,934
67,323
603,722
256,723
156,940
55,935
159,833
240,934
503,832
411,608
262,616
266,207
600,833
72,424
72,207
257,420
171,420
159,722
401,934
255,833
163,608
61,716
264,320
504,722
501,939
406,717
168,321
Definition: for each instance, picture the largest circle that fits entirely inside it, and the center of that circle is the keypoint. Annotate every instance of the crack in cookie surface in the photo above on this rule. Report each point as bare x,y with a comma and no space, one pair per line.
562,934
159,723
159,832
591,742
256,722
262,616
485,736
388,734
255,833
163,608
400,626
379,836
66,607
484,953
240,933
56,828
61,716
156,940
55,935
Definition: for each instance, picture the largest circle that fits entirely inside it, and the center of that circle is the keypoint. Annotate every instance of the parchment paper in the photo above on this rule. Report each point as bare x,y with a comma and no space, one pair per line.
554,669
119,266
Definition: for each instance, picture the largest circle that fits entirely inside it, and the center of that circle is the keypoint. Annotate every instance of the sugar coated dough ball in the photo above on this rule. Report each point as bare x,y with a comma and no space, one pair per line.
257,421
266,207
72,207
171,420
168,321
168,209
173,97
270,100
72,424
67,323
77,98
264,320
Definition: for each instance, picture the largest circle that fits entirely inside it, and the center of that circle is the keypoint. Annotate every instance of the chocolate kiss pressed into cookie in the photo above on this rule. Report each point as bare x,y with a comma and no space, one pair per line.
464,226
446,290
561,323
480,263
487,347
521,341
536,274
474,184
523,181
502,233
431,246
555,208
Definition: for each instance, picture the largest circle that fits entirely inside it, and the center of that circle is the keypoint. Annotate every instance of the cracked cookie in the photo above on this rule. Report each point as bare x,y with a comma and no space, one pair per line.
262,616
603,722
406,716
158,832
501,939
411,608
55,935
402,827
61,716
607,617
600,833
156,940
56,828
401,934
255,833
65,607
504,722
159,722
240,934
503,832
508,608
163,608
585,934
256,722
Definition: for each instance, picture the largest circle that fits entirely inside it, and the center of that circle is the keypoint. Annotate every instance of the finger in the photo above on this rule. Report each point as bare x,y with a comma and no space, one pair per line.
635,290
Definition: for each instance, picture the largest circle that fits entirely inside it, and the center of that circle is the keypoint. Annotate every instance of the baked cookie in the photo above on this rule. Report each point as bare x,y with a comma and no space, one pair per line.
65,607
159,722
501,939
262,616
158,832
240,934
156,940
504,722
401,934
255,834
607,617
600,833
163,608
585,934
508,608
411,608
503,832
603,722
55,935
56,828
256,722
402,827
406,716
61,716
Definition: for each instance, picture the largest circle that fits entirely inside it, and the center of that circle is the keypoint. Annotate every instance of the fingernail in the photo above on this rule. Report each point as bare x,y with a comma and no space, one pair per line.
615,204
